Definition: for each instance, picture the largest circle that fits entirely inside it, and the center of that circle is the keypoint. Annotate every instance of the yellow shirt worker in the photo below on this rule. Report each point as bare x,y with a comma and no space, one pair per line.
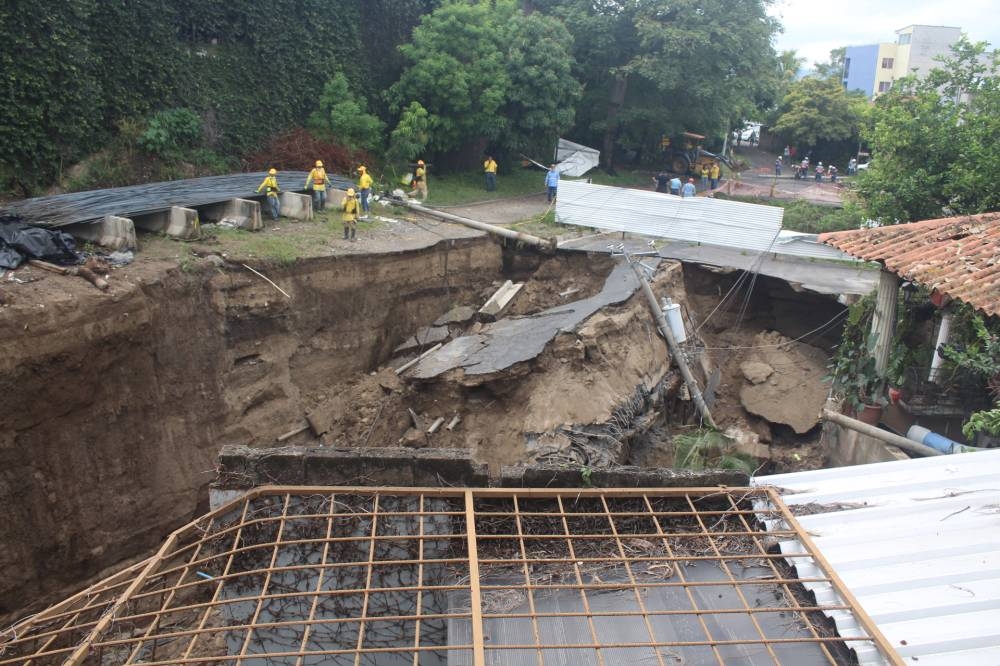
364,187
490,169
350,215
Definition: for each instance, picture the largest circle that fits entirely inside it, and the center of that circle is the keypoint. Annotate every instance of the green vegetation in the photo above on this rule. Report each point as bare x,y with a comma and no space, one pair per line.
709,449
293,240
811,218
933,142
468,186
173,88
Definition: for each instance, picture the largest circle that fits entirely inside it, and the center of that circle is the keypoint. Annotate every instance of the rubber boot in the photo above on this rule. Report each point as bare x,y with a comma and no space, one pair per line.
354,234
346,233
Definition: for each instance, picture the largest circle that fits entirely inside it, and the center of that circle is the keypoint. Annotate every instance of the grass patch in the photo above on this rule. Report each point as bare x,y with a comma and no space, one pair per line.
640,179
292,241
709,449
811,218
470,186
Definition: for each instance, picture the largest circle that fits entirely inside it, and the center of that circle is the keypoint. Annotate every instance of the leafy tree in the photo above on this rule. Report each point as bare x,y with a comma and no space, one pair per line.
651,67
816,110
933,141
344,115
542,95
832,69
457,74
411,135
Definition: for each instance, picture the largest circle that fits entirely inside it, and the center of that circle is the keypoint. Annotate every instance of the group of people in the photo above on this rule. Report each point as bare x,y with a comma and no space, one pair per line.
709,180
802,170
357,201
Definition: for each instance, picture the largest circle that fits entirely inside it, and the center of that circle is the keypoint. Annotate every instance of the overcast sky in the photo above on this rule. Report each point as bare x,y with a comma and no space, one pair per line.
813,27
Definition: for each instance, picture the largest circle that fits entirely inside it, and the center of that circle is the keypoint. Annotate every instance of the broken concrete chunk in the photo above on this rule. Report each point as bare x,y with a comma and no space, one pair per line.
500,300
748,443
756,372
321,417
428,335
457,315
389,380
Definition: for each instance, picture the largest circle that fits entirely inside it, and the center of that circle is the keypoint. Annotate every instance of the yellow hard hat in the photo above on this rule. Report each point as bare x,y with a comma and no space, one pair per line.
362,168
273,172
319,163
420,162
350,192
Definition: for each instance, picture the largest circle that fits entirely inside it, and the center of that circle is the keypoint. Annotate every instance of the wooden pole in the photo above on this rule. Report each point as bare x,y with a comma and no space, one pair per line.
907,445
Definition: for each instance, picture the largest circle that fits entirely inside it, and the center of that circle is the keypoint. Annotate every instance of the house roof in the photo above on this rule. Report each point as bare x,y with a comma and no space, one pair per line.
915,542
955,256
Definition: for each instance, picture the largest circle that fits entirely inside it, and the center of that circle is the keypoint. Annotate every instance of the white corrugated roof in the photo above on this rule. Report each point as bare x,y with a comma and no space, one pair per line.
696,219
917,542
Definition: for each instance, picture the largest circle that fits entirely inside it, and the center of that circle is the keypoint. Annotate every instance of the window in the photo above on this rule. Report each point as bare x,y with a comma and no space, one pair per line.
904,39
887,63
884,86
847,67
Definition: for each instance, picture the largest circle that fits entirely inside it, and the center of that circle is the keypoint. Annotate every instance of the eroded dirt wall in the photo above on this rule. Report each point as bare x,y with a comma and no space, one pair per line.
114,406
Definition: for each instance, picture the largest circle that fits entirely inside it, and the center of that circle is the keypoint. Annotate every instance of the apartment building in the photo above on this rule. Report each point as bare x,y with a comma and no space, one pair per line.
873,68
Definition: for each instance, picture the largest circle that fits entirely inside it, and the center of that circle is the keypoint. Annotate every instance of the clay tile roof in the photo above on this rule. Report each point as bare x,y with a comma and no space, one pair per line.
956,256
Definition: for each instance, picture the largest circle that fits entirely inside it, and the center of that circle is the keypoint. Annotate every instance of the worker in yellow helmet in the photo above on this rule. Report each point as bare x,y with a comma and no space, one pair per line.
490,169
419,181
318,181
364,188
350,215
270,185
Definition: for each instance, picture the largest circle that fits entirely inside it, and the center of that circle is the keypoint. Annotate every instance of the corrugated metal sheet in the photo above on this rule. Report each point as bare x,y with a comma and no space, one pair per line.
917,542
957,256
798,244
697,219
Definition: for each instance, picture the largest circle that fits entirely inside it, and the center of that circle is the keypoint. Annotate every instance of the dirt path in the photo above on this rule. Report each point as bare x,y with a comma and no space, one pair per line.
502,211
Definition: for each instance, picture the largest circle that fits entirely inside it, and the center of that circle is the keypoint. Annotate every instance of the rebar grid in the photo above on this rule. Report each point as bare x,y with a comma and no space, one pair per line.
359,576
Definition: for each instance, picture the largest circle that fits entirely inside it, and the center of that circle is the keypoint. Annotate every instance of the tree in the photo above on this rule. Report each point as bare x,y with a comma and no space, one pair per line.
542,95
933,141
816,110
344,115
457,74
652,67
411,135
832,69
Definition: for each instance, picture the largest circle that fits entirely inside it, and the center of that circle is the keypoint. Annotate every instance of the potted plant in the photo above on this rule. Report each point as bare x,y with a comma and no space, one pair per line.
854,376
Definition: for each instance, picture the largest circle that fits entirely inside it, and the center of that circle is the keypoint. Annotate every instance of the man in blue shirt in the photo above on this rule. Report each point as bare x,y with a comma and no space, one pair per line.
675,186
689,189
552,182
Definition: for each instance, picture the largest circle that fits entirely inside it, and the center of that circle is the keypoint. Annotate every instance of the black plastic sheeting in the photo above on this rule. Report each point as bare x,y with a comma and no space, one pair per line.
20,242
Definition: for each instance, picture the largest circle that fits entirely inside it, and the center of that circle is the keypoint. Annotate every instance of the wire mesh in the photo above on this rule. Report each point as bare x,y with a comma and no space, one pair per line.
448,577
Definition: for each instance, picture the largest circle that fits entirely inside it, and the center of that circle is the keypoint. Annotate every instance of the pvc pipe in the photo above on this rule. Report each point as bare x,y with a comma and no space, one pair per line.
482,226
936,441
944,333
907,445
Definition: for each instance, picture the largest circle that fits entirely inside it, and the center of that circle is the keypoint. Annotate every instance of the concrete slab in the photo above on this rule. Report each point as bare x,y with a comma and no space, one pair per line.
500,299
824,277
457,315
177,222
112,232
243,213
425,337
500,345
296,206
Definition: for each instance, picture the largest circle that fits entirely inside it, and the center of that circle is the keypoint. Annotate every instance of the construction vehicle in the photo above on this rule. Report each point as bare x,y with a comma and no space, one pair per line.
684,155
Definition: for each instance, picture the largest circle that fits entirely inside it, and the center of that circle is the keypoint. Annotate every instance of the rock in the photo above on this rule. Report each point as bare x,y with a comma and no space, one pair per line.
748,443
794,393
322,416
756,372
389,380
457,315
415,439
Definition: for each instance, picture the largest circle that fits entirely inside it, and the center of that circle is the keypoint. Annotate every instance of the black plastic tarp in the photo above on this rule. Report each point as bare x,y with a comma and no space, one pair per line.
20,242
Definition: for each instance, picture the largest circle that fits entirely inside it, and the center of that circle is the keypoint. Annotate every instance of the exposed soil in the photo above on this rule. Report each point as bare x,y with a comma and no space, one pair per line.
116,403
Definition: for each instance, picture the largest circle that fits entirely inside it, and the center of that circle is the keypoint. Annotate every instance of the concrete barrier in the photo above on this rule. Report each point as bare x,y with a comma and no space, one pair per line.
243,213
296,206
114,233
177,222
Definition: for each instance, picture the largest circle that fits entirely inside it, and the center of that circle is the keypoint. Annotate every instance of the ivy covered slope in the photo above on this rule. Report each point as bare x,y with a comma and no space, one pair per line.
74,71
